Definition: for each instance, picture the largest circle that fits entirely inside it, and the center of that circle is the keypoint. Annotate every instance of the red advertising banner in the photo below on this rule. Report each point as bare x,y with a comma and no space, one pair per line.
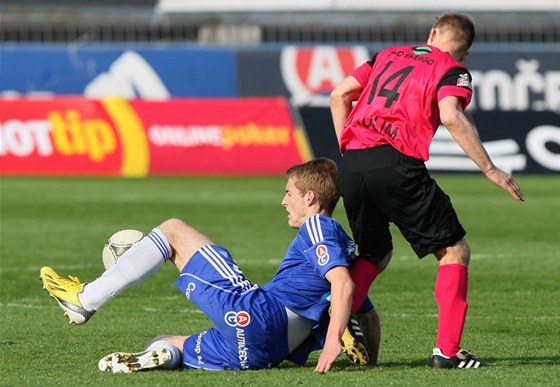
77,136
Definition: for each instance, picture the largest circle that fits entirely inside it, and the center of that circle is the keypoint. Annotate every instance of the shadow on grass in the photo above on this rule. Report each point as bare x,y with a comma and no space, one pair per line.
524,361
494,362
347,367
425,363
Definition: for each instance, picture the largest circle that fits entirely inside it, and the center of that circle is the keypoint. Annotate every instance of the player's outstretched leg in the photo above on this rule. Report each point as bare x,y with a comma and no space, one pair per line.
463,359
122,362
354,342
65,292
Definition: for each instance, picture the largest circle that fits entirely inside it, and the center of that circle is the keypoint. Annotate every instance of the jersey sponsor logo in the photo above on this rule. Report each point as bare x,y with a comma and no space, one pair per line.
463,81
198,349
416,56
243,351
190,287
237,319
422,50
323,254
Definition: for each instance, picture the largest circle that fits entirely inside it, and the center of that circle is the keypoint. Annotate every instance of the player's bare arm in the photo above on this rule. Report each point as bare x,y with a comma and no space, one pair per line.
464,133
342,289
341,99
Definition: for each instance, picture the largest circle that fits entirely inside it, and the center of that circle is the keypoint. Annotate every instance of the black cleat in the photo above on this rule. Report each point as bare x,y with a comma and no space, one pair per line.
463,359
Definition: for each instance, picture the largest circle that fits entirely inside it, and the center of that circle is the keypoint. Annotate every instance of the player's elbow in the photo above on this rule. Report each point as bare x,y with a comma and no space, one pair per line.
343,96
336,98
451,112
451,118
341,282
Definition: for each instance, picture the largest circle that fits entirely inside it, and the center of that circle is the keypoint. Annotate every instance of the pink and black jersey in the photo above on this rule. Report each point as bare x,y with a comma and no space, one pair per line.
399,102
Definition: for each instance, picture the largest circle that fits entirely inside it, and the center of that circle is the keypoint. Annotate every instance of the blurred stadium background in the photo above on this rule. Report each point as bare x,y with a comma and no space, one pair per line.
269,21
208,87
279,48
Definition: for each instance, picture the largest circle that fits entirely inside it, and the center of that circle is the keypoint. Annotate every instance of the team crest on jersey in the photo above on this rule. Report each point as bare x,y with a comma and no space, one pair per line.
237,319
422,50
463,81
323,254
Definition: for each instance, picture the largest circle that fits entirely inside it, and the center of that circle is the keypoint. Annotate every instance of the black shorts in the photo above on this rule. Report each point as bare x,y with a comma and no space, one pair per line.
380,186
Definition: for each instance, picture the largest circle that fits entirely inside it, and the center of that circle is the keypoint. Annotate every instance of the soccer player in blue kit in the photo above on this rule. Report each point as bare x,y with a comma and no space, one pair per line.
255,326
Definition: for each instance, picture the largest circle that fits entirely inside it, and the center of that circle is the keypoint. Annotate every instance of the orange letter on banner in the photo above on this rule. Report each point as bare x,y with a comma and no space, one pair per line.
100,138
67,135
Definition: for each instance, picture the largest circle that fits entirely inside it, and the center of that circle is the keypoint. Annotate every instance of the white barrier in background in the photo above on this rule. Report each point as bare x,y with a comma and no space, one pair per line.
170,6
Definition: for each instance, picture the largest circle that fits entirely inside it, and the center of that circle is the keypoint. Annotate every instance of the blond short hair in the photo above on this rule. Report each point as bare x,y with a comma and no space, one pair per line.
319,176
461,25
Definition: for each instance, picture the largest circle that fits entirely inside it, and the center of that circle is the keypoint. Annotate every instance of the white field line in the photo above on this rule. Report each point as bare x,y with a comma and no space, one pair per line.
72,269
178,311
64,270
13,305
434,315
473,256
18,305
59,268
23,305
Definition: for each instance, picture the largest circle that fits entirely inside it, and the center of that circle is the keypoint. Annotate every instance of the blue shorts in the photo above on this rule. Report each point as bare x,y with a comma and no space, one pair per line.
251,327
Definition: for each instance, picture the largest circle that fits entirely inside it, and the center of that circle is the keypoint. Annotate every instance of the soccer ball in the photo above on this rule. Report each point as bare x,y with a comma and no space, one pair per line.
118,244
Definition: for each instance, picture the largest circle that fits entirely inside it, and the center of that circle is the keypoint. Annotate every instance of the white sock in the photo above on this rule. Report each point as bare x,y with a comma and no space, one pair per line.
134,266
175,354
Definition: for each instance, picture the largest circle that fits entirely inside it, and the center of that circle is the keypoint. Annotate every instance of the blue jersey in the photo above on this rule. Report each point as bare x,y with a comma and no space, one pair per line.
251,321
300,284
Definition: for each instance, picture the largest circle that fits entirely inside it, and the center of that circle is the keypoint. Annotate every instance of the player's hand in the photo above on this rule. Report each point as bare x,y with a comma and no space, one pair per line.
330,353
505,181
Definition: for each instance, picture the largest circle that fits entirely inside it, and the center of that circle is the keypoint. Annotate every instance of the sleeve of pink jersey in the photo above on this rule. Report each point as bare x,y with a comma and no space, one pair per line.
361,74
456,91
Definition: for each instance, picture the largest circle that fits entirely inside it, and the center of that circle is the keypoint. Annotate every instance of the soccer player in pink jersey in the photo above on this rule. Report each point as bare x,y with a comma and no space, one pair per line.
401,96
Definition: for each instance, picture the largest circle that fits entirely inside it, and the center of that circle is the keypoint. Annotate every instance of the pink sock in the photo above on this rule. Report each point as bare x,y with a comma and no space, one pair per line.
451,296
363,273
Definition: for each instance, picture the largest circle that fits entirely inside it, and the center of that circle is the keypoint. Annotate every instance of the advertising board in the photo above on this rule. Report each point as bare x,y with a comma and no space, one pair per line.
135,138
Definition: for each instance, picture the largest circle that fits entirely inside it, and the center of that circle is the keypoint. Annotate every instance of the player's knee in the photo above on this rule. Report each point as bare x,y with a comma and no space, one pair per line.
171,225
172,229
156,339
460,253
463,252
385,261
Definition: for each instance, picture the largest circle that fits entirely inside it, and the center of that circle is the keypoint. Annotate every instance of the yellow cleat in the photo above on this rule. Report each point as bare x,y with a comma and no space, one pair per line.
354,343
65,292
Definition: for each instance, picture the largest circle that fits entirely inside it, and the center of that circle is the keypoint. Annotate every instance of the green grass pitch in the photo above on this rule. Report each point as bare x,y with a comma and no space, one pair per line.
514,313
